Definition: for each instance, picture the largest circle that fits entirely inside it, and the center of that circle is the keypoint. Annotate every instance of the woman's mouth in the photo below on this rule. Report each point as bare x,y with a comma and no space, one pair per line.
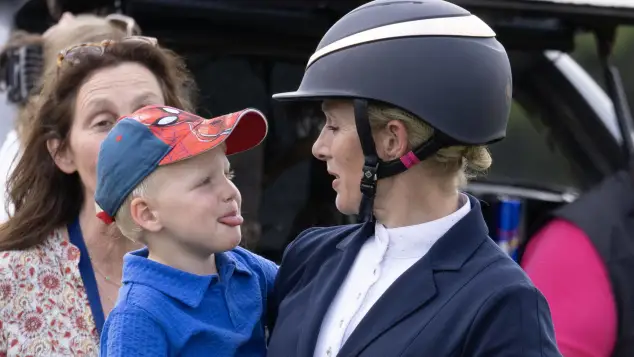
336,180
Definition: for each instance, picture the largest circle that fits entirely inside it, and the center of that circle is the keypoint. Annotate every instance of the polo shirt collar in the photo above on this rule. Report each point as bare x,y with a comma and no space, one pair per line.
185,287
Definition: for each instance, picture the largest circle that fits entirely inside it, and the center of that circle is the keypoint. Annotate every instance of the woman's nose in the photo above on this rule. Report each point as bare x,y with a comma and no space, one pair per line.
319,149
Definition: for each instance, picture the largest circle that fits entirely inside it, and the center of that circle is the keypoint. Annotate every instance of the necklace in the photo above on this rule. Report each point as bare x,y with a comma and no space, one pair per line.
108,280
104,276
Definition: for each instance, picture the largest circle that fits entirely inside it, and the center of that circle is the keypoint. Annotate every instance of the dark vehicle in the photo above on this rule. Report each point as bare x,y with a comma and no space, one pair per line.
564,135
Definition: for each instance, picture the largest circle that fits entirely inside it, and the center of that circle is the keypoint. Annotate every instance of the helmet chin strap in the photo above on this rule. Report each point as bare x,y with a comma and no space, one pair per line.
371,160
374,168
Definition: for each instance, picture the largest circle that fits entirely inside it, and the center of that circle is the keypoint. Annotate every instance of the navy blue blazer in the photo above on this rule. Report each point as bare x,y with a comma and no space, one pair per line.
464,298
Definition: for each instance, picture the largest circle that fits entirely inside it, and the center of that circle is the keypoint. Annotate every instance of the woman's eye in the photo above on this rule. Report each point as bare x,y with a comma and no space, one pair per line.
206,181
332,128
104,121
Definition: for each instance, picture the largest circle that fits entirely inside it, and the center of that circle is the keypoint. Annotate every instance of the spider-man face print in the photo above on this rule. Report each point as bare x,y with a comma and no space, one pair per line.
190,135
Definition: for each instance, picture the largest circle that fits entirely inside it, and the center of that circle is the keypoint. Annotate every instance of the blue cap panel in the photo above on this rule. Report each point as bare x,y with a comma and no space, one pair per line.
129,154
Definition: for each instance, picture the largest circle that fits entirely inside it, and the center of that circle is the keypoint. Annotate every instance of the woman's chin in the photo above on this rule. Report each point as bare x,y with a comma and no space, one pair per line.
345,206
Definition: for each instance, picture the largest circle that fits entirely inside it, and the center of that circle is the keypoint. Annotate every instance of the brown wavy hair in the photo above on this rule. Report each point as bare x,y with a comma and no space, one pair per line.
45,198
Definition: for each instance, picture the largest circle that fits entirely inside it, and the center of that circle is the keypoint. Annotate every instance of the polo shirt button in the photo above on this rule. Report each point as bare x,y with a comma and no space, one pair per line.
329,352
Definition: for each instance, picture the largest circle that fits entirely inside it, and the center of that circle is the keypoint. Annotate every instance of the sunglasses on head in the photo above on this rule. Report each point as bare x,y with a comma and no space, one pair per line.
74,53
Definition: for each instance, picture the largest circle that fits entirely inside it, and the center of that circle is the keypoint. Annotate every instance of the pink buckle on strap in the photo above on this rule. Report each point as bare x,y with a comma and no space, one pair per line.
409,159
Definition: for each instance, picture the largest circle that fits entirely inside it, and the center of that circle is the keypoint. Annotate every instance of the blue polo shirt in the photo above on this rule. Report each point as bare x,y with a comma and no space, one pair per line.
162,311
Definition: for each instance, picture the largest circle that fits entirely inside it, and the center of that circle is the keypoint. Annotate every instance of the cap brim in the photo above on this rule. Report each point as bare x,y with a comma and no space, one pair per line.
249,130
240,131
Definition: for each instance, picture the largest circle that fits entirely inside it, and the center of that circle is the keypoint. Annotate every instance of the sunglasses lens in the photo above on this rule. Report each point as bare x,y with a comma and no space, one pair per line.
75,54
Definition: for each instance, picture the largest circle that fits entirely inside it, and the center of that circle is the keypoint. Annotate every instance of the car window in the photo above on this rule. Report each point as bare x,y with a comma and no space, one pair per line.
527,155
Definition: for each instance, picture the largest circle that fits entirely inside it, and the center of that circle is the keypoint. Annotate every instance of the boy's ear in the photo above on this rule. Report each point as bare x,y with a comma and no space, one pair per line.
143,215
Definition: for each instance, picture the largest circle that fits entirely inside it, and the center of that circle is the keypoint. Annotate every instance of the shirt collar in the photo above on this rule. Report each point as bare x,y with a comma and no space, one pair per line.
185,287
449,253
415,241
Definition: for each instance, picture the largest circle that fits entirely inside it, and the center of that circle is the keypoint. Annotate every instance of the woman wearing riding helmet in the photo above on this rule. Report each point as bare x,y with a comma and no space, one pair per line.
412,91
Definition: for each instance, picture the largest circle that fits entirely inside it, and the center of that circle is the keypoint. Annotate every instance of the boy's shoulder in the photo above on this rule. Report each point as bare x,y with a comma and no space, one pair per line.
132,306
138,298
137,302
143,302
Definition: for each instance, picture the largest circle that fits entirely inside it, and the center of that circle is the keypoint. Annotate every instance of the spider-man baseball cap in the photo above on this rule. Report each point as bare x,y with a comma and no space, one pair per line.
156,135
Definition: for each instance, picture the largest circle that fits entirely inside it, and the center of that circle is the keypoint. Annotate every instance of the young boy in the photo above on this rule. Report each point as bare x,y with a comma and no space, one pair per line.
163,177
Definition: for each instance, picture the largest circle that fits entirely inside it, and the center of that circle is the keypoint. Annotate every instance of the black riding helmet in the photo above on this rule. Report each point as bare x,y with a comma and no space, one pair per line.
430,58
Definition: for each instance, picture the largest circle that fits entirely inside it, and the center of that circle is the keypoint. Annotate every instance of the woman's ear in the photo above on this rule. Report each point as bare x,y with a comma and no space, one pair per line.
144,216
63,158
393,141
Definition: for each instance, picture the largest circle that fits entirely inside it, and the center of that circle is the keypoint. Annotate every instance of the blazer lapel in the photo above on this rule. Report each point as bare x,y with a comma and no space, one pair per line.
417,286
325,286
409,292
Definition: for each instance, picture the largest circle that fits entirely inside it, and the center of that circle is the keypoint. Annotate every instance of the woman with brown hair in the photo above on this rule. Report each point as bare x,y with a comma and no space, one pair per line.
25,58
60,269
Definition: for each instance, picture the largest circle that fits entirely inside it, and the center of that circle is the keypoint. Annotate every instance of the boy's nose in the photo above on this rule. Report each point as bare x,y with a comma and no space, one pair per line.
233,194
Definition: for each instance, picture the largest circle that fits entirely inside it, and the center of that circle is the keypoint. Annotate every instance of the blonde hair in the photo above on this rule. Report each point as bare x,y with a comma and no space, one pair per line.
460,162
123,218
83,28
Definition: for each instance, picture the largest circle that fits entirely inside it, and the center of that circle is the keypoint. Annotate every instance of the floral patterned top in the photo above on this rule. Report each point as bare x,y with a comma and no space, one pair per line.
44,309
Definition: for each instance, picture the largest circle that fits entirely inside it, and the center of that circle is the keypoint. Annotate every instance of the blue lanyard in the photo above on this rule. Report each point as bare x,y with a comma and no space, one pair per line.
87,274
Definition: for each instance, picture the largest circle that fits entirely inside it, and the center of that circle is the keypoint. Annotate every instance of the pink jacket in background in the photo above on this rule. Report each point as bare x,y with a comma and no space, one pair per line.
562,262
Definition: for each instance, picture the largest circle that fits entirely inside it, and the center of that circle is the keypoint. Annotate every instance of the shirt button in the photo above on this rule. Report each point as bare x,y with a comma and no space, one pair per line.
359,296
374,272
341,323
329,352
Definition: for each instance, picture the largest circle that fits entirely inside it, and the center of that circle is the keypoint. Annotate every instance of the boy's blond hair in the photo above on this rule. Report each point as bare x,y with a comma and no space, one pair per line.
123,219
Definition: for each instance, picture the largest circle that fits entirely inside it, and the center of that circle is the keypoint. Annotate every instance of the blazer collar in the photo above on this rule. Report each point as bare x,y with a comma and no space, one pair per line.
452,250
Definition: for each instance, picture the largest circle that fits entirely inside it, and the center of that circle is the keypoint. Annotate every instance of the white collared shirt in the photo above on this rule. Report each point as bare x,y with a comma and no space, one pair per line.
381,260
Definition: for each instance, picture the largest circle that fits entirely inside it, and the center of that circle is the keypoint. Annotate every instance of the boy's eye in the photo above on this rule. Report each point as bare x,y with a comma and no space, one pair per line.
331,128
206,181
